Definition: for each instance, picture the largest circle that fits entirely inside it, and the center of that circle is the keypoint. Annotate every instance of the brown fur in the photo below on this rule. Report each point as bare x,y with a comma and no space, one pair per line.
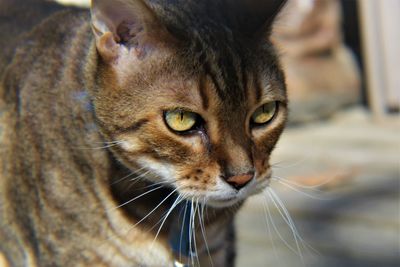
66,92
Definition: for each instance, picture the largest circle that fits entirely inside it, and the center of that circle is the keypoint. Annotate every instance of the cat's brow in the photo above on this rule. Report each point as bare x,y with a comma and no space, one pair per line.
203,93
272,92
258,88
214,78
134,127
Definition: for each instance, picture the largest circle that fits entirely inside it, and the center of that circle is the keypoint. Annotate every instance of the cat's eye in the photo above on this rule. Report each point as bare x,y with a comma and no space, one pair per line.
264,114
180,120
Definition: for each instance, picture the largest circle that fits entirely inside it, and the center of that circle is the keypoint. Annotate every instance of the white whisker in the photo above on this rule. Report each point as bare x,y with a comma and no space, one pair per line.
140,176
133,199
100,147
113,142
127,176
194,232
311,187
191,231
182,227
176,202
287,221
159,204
153,184
278,203
202,226
280,165
299,191
277,231
148,214
267,221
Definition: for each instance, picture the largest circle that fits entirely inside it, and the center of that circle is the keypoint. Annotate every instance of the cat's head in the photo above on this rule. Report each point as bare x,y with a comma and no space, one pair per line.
191,91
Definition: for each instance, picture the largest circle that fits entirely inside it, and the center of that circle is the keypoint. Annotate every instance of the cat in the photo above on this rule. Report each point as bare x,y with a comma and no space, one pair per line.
131,133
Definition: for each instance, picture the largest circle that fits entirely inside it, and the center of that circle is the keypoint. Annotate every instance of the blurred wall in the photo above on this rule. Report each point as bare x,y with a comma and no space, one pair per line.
380,22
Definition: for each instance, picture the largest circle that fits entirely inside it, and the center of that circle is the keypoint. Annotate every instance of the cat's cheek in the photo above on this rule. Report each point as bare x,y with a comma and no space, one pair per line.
163,170
195,143
261,156
204,172
130,144
222,195
260,165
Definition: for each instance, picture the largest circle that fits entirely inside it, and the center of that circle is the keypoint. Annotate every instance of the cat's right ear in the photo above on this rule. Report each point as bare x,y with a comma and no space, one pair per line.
119,25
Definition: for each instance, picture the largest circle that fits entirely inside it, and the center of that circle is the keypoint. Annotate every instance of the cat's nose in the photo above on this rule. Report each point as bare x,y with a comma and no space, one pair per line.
240,181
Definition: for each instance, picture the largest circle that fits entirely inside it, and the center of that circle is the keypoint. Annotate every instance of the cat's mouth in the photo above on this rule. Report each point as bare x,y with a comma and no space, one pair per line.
223,203
229,197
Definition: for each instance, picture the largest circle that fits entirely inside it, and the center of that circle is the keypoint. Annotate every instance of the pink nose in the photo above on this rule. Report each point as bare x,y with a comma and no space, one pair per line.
239,181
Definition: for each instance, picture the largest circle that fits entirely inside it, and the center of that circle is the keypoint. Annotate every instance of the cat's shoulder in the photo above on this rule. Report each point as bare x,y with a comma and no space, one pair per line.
36,27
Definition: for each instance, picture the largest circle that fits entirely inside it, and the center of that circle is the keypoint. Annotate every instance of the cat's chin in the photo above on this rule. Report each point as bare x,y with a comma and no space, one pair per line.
233,200
224,203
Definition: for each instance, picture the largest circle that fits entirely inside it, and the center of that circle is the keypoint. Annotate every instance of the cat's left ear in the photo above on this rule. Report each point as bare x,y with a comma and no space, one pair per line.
125,24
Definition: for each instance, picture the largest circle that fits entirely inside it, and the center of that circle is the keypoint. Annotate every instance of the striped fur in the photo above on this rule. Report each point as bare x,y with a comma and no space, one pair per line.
81,111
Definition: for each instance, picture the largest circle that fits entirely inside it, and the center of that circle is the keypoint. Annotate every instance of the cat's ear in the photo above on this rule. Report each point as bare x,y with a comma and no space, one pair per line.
255,17
125,24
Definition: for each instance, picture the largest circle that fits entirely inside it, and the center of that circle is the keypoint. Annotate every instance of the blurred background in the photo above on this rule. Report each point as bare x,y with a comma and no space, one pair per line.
337,166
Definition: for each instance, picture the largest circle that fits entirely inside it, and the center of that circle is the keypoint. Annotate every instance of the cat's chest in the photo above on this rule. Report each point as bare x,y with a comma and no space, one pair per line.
142,252
140,255
125,243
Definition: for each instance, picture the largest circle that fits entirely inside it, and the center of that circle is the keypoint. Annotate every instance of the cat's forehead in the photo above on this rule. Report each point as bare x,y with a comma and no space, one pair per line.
235,64
237,76
219,79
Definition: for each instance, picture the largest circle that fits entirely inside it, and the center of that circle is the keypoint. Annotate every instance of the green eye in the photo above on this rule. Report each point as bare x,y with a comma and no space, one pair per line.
180,120
264,114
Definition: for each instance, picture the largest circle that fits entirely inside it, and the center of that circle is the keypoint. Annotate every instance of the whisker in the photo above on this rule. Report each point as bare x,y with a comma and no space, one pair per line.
202,227
115,236
194,232
191,232
159,204
137,179
279,164
176,202
275,199
267,220
304,243
299,191
153,184
311,187
127,176
277,231
99,147
140,176
113,142
182,227
133,199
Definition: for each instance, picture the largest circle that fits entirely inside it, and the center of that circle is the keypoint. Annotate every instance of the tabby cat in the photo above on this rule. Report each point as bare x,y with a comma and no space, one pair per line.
131,134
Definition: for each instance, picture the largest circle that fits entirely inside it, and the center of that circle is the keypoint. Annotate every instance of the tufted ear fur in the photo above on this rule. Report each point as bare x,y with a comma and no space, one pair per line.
125,24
